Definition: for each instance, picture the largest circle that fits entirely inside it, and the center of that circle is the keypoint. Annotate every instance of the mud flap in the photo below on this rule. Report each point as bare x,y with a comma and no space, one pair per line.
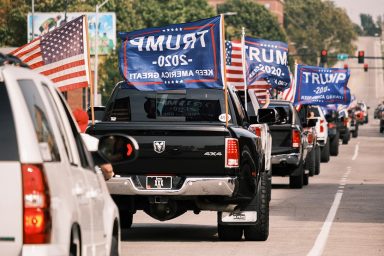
246,216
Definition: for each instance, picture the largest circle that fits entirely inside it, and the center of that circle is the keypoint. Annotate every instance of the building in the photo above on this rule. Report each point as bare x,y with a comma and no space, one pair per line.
274,6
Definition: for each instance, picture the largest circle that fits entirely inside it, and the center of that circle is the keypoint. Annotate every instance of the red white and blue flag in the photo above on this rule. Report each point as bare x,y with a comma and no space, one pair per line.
61,55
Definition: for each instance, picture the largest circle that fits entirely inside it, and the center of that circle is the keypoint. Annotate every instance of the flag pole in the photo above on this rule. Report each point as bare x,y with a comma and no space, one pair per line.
89,70
224,69
243,65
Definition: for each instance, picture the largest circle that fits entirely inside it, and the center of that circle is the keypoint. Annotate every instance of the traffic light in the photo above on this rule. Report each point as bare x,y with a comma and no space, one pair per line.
360,57
323,56
345,66
365,67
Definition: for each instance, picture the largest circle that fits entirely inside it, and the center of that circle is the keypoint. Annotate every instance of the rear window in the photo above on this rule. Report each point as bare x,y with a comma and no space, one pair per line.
8,149
315,111
180,105
284,112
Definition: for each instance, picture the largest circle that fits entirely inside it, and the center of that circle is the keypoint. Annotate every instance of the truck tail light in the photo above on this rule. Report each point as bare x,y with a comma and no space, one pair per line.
310,137
331,125
256,130
321,126
296,139
346,120
232,153
36,200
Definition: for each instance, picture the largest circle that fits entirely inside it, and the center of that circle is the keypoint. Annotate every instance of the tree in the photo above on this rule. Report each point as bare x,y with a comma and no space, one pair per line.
369,27
255,18
316,25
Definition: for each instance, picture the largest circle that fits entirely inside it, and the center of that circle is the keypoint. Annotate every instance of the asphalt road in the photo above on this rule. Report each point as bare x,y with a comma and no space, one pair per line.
341,212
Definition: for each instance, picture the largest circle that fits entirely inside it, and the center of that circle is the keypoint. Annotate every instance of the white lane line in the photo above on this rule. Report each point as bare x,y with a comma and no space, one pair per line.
356,152
321,240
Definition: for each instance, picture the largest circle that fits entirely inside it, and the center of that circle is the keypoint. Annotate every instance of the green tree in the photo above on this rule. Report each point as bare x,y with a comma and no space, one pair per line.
256,19
316,25
369,26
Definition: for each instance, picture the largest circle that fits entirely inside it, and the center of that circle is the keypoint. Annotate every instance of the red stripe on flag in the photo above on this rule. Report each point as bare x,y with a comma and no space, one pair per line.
73,86
69,76
236,64
28,51
230,79
37,65
33,56
63,67
236,56
234,72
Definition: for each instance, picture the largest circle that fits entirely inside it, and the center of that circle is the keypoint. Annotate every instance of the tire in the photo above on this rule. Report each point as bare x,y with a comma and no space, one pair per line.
325,152
126,219
366,120
115,240
355,133
318,158
260,231
346,137
334,145
310,162
297,181
229,232
75,243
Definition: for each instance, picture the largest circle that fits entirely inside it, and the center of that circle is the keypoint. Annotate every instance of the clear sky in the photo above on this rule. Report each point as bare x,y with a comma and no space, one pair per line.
355,7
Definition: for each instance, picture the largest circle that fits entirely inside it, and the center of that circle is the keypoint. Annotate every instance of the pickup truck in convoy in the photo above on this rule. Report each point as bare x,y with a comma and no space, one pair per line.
289,144
189,159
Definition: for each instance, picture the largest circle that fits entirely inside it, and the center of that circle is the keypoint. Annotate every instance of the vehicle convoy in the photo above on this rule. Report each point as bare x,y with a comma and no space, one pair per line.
54,201
289,144
189,160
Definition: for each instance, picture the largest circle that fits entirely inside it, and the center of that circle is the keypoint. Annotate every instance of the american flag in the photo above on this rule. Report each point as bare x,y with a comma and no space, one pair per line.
234,67
289,93
61,55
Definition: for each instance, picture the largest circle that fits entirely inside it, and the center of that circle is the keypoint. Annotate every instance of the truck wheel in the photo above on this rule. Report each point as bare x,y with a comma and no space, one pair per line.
260,231
381,129
346,137
355,133
325,152
229,232
297,181
310,162
318,157
126,219
334,145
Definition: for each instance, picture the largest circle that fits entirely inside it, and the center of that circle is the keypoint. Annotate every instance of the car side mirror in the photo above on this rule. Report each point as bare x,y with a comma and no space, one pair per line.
117,148
267,115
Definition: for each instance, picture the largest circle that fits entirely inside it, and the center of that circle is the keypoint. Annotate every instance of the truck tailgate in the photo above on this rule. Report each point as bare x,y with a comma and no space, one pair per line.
11,221
172,148
282,138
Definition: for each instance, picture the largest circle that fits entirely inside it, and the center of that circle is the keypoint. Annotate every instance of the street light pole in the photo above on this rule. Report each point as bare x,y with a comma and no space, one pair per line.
33,14
98,6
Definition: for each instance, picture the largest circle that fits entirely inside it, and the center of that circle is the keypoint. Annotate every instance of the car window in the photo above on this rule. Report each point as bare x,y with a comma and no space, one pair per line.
58,121
8,149
84,155
43,127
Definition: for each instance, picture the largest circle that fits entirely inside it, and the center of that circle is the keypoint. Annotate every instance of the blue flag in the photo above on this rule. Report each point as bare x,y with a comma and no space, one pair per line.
179,56
267,60
322,86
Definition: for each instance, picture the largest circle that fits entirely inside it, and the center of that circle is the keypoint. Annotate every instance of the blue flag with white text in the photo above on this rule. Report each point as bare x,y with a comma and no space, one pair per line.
178,56
267,60
322,86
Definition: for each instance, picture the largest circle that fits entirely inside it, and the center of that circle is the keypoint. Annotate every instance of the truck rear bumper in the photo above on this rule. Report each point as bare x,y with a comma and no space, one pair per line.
286,159
196,186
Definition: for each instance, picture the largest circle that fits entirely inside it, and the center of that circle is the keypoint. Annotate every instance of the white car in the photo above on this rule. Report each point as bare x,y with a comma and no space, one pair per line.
321,132
53,202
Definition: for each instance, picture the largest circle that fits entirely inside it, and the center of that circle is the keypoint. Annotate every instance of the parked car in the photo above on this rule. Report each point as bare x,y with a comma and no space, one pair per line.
54,201
190,160
289,144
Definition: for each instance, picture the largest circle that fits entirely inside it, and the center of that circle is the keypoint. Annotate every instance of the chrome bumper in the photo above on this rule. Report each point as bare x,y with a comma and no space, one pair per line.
198,186
292,159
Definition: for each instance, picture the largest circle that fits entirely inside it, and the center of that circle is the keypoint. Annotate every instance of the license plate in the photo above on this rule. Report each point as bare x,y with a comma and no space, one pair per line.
159,182
246,216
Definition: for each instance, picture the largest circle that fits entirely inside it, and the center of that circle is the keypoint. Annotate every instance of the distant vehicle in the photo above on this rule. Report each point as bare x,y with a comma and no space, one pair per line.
54,202
333,130
190,160
364,109
289,144
354,129
344,124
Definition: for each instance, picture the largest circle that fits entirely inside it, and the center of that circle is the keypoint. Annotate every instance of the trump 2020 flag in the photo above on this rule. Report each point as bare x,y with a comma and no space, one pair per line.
322,86
62,55
178,56
267,60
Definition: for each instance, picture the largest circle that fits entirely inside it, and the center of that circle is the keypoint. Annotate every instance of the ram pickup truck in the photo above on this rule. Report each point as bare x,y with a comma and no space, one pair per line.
189,160
289,144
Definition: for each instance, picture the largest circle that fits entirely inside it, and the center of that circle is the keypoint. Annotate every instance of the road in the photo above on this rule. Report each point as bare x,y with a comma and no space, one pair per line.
341,212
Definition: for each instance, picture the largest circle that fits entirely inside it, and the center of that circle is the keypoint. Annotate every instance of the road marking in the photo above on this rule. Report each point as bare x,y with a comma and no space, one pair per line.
321,240
356,152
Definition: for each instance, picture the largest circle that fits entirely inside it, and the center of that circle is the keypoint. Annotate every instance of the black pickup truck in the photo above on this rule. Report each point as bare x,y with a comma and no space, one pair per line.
189,159
289,144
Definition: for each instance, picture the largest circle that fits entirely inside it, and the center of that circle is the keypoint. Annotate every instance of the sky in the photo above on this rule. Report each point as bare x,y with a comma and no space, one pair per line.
355,7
